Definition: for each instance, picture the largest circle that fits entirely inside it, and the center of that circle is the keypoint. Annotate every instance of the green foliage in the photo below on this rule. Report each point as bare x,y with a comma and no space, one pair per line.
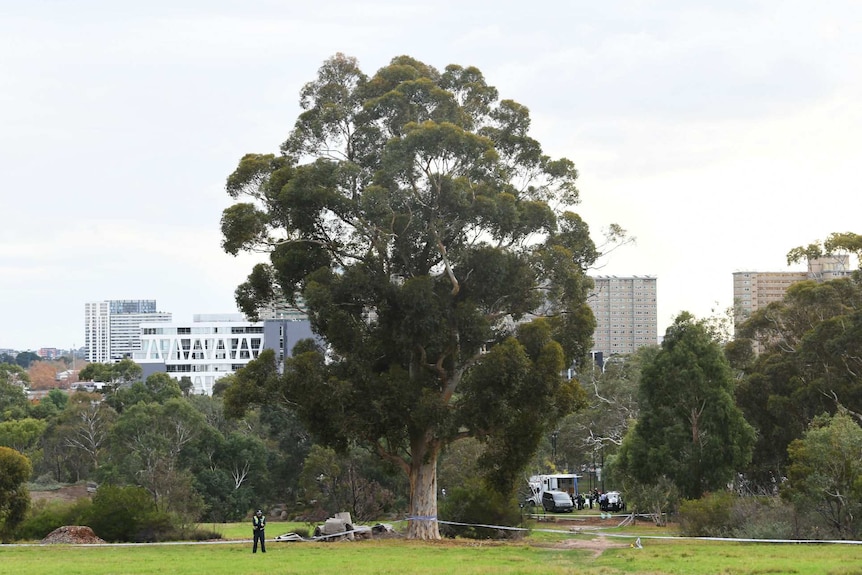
689,428
657,499
124,371
228,469
13,399
25,358
459,463
162,387
145,445
812,342
595,432
416,217
21,434
825,473
709,516
835,244
330,482
127,514
13,373
725,514
46,517
102,372
477,504
765,517
50,405
15,470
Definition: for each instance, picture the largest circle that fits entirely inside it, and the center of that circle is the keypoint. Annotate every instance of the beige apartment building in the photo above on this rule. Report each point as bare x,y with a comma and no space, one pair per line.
755,290
626,314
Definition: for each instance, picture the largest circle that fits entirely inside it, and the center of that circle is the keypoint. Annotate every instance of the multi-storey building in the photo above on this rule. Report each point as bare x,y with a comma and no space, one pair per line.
112,328
280,309
626,314
213,346
49,353
755,290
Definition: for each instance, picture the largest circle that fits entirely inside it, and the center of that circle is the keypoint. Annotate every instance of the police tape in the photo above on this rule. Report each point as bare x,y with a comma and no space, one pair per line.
597,531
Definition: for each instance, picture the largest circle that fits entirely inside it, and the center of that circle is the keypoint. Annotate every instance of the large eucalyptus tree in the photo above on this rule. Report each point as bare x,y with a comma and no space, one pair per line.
426,234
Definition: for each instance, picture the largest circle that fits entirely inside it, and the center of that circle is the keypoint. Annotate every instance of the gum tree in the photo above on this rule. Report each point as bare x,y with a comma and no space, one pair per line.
689,430
424,229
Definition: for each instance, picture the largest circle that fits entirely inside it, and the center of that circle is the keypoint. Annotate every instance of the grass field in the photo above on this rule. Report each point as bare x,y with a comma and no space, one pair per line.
549,554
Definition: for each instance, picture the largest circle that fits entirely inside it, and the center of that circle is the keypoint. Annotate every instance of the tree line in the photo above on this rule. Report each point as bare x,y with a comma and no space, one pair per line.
436,250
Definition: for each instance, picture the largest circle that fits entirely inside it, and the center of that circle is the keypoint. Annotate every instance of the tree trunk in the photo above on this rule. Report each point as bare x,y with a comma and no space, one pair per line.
423,492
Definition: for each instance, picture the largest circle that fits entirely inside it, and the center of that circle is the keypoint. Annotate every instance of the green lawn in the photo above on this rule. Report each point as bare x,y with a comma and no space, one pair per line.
463,557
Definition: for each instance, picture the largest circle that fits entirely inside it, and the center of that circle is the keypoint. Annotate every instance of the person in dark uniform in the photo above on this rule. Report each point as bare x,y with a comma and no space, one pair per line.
258,524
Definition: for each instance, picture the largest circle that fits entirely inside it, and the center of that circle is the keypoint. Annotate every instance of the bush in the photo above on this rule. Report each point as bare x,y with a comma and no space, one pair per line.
128,514
45,517
477,504
763,518
201,535
709,516
45,482
728,515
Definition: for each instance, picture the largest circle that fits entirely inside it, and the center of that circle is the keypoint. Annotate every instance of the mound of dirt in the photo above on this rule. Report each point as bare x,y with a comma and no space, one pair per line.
72,534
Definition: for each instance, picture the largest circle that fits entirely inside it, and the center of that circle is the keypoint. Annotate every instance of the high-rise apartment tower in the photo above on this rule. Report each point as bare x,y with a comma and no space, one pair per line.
112,329
626,314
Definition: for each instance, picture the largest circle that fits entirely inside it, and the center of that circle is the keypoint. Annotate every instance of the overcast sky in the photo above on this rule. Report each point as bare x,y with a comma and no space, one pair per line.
720,134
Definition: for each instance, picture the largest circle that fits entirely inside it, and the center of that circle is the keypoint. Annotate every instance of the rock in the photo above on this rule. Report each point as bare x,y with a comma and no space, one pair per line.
72,534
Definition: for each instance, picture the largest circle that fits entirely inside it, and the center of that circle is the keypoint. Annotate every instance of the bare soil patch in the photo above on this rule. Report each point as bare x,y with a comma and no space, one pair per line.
597,545
65,494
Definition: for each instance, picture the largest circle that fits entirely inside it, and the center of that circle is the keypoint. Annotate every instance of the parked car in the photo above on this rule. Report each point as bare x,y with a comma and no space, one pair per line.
615,501
556,501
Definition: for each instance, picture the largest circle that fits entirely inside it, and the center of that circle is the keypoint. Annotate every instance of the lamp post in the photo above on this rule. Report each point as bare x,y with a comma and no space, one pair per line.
554,436
603,468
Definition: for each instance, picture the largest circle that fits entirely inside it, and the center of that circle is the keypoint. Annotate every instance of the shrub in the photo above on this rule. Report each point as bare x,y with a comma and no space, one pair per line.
201,535
128,514
45,517
45,482
762,518
477,504
657,499
709,516
728,515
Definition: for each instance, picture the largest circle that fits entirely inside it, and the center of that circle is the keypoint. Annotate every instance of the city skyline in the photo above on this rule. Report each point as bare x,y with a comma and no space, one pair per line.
719,136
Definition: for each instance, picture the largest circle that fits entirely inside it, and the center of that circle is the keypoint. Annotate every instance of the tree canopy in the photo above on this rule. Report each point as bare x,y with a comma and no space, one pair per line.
838,243
826,473
426,232
15,470
810,365
689,428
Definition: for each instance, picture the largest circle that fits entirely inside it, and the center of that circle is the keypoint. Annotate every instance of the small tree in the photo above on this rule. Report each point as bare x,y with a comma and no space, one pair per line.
689,428
123,514
826,473
15,471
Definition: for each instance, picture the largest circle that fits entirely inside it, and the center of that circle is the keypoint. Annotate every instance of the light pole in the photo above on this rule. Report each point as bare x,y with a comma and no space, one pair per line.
554,436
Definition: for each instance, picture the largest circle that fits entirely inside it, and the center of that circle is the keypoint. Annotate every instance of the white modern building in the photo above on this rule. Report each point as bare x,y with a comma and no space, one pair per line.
112,327
212,346
626,313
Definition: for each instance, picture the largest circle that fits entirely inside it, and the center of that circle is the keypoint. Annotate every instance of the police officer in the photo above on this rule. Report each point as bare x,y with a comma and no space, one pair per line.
258,524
